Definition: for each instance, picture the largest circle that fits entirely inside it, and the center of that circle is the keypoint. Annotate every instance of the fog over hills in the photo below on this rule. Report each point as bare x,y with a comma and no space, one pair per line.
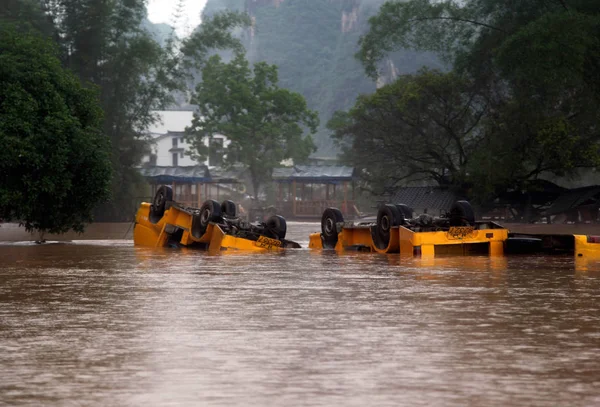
313,42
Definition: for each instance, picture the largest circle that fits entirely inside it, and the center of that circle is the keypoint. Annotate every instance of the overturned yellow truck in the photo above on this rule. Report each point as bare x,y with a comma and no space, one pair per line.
395,230
213,227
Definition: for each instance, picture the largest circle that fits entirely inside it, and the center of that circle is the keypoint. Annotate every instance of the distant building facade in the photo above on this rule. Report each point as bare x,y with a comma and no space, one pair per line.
168,146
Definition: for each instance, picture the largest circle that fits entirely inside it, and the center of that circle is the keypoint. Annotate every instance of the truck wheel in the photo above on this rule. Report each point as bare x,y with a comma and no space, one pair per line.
277,226
210,211
329,228
229,209
388,216
159,203
405,213
462,214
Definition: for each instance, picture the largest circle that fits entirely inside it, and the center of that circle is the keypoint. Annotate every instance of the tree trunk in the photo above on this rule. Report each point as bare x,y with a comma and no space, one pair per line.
255,188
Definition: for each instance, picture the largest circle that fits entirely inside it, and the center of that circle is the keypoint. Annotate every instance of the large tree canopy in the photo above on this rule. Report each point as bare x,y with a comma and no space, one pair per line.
533,65
105,45
55,161
264,123
461,31
423,126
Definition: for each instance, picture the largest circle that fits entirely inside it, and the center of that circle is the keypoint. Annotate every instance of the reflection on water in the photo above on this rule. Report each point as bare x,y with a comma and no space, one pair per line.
104,323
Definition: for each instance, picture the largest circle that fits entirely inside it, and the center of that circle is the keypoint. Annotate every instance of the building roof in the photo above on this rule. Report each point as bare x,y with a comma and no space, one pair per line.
536,191
191,174
227,175
167,175
313,173
430,198
573,198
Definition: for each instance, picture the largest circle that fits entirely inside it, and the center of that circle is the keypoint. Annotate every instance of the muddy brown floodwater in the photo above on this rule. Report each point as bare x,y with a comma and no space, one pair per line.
106,323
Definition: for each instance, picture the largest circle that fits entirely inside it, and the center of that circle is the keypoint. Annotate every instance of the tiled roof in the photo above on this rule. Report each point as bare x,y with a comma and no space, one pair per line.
433,199
196,173
219,174
574,198
313,173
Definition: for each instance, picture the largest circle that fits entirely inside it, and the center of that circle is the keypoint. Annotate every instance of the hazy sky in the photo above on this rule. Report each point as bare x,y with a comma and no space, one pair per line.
161,11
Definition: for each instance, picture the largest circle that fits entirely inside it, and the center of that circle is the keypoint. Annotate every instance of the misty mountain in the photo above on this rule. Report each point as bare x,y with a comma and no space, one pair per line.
160,32
313,42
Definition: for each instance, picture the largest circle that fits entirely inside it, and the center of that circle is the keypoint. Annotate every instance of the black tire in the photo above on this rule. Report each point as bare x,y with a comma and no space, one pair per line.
198,230
388,216
329,230
462,214
163,195
210,211
277,226
229,209
406,213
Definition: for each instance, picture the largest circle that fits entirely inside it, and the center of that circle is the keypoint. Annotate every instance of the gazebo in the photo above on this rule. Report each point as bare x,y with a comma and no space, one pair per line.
192,185
305,191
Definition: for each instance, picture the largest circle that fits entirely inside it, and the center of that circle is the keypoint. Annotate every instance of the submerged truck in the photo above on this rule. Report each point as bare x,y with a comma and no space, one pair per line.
396,230
213,227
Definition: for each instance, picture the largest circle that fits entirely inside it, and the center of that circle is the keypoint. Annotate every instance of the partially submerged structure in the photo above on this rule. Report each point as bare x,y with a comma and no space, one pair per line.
305,191
456,232
214,226
192,185
396,230
575,205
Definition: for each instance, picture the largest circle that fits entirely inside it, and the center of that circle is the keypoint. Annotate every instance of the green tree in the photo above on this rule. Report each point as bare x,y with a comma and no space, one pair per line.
54,164
26,14
465,33
534,63
105,44
546,122
265,124
421,127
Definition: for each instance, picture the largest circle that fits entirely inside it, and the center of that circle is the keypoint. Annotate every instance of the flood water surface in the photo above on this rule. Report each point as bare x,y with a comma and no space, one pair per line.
106,323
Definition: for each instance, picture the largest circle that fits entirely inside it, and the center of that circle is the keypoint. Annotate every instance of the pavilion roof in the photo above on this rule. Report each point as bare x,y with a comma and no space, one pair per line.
313,174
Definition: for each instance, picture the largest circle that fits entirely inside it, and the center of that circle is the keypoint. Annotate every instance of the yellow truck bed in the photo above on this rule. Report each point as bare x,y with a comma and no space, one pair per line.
395,231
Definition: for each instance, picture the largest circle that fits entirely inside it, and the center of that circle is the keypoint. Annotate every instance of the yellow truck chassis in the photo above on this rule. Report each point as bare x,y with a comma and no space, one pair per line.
214,227
396,231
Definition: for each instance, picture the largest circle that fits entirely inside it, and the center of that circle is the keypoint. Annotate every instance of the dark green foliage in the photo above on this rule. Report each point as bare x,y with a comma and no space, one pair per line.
555,52
422,126
534,65
264,123
455,30
25,15
54,161
105,45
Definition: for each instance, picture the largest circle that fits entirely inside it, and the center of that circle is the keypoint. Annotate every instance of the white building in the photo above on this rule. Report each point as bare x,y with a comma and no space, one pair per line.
169,149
